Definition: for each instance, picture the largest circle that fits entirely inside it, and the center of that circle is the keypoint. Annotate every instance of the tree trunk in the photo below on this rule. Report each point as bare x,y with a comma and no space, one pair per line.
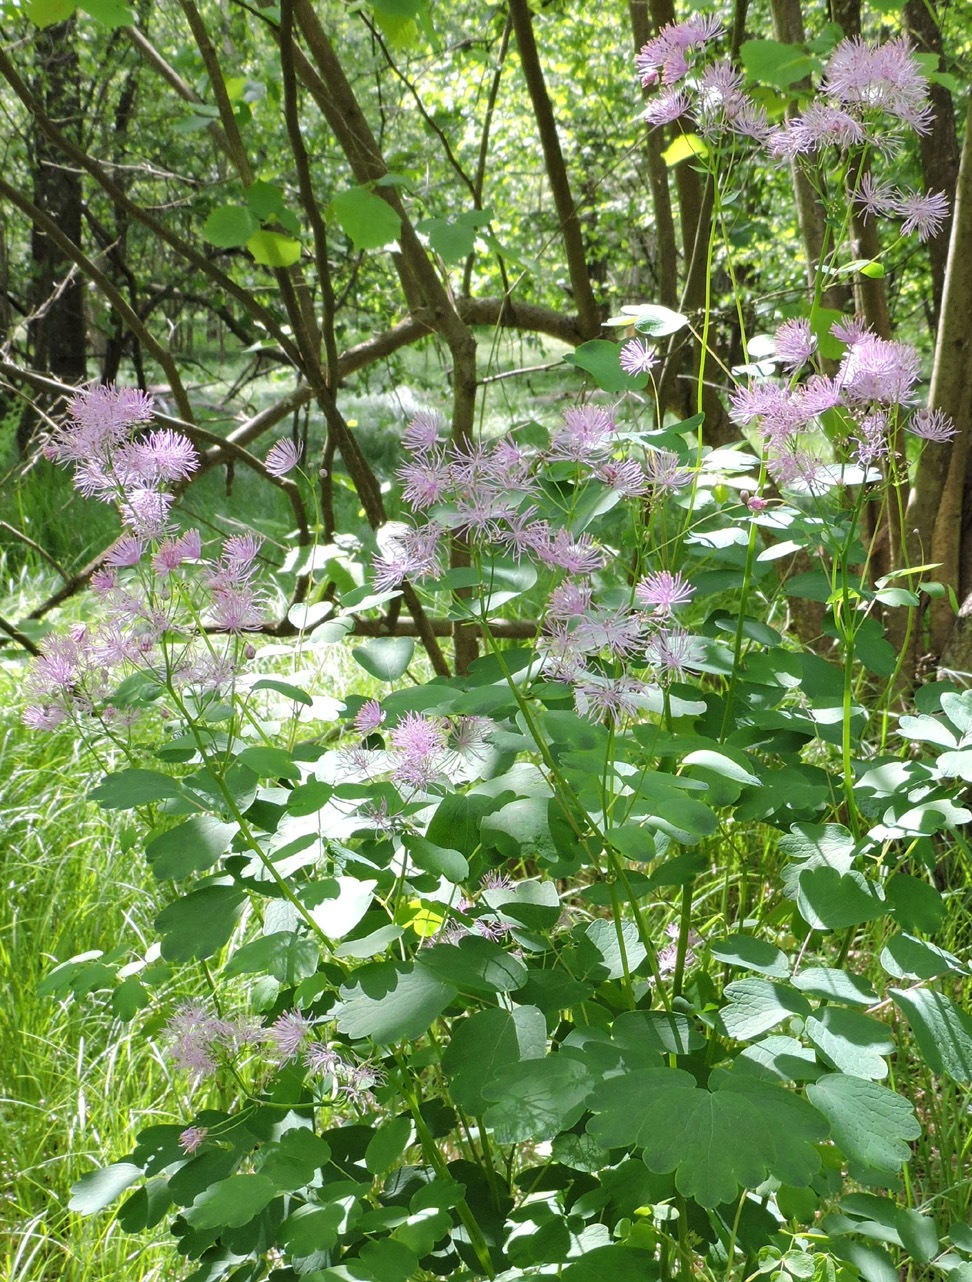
938,504
939,147
56,330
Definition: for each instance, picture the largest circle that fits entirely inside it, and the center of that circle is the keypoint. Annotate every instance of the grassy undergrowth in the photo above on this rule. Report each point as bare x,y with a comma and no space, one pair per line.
76,1084
73,1081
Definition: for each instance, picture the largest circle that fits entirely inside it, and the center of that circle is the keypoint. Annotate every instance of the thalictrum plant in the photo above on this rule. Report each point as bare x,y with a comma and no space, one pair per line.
491,991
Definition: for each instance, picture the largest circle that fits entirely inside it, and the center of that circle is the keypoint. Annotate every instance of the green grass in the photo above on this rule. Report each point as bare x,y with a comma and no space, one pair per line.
73,1080
76,1084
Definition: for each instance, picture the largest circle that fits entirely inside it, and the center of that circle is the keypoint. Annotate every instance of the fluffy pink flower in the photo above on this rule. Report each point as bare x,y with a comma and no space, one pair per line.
370,716
608,698
794,343
147,512
587,432
666,108
876,199
125,552
192,1138
931,425
663,591
287,1036
418,736
884,77
163,456
875,369
664,57
672,651
422,432
637,357
282,457
924,213
664,470
237,610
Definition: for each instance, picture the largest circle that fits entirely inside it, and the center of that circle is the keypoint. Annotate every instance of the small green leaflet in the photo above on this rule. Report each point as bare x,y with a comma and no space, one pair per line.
942,1030
536,1099
870,1124
476,965
96,1190
601,360
749,953
199,924
483,1043
285,955
685,147
109,13
294,1159
757,1005
127,789
388,1001
270,763
386,658
285,688
231,1202
829,900
851,1042
454,239
773,63
191,847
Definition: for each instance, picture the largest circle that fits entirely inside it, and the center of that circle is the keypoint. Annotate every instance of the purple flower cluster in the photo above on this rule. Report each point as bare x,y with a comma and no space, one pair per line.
422,750
874,387
155,586
486,923
592,648
712,94
923,212
113,462
199,1042
489,493
869,95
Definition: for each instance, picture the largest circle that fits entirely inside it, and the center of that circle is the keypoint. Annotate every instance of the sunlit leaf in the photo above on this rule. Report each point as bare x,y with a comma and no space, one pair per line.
942,1030
369,221
230,226
273,249
387,1001
95,1191
231,1202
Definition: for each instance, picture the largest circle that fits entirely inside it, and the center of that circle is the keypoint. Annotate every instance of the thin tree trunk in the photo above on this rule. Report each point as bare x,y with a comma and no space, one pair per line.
570,229
939,147
666,248
56,330
937,502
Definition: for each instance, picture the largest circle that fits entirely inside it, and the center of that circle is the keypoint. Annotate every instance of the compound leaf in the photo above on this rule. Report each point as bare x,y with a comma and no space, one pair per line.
716,1142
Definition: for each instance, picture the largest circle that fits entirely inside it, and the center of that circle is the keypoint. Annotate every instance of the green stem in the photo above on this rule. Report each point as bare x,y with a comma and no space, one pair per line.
684,928
435,1160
